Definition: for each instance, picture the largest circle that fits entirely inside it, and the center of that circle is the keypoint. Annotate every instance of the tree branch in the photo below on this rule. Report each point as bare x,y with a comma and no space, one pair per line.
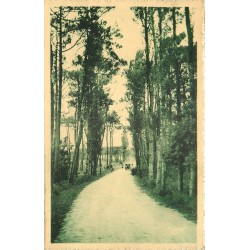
74,43
74,20
54,12
79,49
53,26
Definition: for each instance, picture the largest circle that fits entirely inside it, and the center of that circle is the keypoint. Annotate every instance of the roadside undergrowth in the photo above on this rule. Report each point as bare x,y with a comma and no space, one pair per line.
180,202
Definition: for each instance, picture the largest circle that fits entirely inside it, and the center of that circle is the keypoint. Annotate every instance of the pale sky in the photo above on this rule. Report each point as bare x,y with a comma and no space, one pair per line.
131,42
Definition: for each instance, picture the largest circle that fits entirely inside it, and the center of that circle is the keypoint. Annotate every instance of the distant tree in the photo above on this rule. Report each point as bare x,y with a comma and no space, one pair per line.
112,120
138,112
124,144
64,159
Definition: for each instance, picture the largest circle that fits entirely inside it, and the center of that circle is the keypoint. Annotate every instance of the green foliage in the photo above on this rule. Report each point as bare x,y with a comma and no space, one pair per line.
124,144
161,89
136,80
113,118
96,65
135,94
181,202
137,121
64,160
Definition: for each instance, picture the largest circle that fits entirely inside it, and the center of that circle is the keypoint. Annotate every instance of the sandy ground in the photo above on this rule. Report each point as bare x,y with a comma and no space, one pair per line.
114,209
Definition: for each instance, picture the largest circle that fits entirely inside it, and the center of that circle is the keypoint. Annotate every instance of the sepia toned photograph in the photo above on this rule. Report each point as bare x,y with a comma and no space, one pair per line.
124,125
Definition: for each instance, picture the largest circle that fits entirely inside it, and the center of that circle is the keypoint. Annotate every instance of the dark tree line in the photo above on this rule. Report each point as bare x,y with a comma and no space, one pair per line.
161,89
162,92
82,27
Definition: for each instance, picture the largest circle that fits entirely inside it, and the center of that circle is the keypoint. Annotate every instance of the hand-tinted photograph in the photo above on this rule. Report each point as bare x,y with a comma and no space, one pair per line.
123,124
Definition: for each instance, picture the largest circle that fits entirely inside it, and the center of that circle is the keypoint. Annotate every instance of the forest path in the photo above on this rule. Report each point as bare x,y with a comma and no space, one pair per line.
114,210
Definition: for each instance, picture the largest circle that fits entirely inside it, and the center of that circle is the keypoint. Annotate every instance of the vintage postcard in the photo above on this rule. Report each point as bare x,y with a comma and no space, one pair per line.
124,112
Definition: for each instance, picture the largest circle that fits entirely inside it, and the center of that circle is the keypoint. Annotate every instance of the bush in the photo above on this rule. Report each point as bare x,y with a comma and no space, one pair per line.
179,200
175,200
64,160
184,204
134,171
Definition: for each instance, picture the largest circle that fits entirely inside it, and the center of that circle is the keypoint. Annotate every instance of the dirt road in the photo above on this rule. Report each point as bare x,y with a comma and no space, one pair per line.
115,210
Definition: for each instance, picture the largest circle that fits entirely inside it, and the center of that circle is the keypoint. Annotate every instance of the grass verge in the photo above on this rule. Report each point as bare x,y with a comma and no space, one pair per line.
181,202
62,197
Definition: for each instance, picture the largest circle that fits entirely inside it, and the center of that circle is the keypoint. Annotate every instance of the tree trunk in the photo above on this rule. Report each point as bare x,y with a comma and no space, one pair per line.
191,181
154,155
150,92
181,179
100,163
87,159
153,118
68,141
177,70
156,53
75,126
193,94
160,31
95,162
191,55
58,116
78,106
53,168
51,97
146,147
75,162
157,117
163,148
148,66
107,146
110,144
159,164
137,150
82,154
